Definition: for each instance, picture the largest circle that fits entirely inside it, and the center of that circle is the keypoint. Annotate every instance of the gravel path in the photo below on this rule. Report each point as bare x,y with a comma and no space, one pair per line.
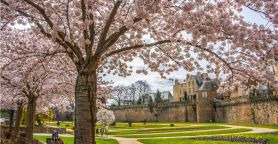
126,140
254,129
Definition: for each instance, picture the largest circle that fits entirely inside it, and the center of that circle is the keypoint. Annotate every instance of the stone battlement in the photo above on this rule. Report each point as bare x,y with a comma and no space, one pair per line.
260,110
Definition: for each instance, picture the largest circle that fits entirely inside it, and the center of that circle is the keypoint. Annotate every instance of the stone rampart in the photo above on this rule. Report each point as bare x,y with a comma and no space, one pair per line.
260,110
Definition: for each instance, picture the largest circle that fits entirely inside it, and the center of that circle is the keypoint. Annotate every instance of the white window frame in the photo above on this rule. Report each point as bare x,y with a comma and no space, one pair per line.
204,94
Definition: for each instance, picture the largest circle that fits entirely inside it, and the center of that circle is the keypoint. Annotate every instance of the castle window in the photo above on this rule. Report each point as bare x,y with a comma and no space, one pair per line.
204,94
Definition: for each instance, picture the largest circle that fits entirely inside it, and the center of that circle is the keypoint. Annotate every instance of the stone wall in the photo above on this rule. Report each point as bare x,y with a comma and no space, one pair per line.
260,111
176,111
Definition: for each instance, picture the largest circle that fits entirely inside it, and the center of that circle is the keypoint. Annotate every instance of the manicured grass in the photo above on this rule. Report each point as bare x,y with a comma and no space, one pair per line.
65,124
69,140
138,126
186,134
183,141
254,125
219,123
165,130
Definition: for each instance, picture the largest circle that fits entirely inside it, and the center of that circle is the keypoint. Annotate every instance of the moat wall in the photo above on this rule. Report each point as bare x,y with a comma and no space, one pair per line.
260,111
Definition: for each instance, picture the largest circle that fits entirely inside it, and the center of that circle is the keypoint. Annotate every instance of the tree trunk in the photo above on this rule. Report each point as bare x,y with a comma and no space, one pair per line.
18,120
85,108
11,120
31,110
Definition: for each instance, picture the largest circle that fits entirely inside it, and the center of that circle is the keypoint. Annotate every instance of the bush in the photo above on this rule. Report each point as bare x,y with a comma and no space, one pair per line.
144,121
172,125
129,124
113,124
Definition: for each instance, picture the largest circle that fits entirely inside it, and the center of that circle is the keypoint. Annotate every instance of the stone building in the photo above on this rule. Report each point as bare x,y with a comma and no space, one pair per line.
187,90
166,96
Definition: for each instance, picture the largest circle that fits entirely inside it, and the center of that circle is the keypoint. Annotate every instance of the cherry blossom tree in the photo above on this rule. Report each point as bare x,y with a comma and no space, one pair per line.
12,100
105,117
33,74
102,36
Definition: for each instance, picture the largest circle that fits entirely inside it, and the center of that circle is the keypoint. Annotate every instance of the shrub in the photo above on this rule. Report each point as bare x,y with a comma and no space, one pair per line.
172,125
145,121
113,124
129,124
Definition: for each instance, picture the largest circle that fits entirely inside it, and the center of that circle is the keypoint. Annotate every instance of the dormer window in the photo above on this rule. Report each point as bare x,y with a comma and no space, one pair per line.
204,94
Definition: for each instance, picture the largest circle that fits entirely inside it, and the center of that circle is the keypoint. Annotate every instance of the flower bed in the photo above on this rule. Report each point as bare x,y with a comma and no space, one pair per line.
234,139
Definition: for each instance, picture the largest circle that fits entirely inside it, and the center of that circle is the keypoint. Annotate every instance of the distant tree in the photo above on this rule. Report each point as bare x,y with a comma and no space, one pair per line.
142,89
151,100
105,118
158,98
119,94
139,101
133,95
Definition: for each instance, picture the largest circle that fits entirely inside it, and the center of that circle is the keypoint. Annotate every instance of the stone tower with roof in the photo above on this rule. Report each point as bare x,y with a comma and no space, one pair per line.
205,101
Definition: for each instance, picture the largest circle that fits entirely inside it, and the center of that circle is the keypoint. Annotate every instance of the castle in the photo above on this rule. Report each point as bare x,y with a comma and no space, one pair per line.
196,100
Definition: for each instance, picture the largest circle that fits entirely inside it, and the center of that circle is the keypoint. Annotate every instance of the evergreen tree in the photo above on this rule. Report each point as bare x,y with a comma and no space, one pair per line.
139,101
158,98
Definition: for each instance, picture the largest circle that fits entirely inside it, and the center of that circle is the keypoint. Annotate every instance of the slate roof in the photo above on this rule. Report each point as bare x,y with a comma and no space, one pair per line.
209,85
199,79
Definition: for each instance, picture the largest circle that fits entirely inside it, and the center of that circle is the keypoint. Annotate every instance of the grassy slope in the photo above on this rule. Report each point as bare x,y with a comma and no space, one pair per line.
186,134
69,140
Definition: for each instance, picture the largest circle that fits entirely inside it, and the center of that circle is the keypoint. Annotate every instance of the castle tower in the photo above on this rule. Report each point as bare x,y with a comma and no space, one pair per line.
204,101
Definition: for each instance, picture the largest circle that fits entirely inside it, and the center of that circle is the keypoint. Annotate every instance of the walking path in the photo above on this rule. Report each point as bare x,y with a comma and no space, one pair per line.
126,140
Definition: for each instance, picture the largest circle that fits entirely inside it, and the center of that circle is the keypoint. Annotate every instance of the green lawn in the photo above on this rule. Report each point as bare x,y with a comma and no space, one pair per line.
69,140
139,125
164,130
65,124
186,134
219,123
161,129
255,125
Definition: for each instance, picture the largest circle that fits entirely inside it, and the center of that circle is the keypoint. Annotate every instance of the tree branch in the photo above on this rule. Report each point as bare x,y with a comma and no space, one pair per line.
137,47
75,49
107,26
